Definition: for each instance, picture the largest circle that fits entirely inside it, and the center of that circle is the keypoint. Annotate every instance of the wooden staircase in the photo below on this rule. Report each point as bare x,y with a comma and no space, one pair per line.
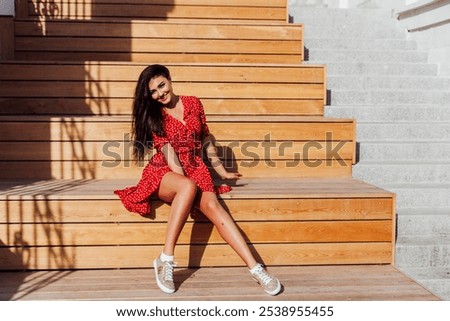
65,104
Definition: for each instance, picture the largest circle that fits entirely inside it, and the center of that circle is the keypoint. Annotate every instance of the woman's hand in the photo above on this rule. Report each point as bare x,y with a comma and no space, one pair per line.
230,175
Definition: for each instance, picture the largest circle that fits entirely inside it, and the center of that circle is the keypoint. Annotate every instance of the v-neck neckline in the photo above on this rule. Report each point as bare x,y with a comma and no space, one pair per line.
181,121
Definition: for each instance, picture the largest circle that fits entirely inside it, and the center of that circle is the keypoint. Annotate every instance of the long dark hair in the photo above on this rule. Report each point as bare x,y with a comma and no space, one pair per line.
147,114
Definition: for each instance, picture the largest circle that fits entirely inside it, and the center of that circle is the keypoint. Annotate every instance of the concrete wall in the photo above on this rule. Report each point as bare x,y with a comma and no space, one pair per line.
6,7
425,21
345,4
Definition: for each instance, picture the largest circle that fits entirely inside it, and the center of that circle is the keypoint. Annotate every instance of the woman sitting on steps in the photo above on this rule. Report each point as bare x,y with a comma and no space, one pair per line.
176,127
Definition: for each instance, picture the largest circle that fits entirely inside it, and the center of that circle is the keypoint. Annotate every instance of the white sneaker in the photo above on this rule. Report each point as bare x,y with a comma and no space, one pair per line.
269,283
164,275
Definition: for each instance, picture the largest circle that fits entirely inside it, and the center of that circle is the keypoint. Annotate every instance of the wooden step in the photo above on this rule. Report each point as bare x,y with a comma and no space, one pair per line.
238,10
107,88
60,224
300,283
327,146
164,42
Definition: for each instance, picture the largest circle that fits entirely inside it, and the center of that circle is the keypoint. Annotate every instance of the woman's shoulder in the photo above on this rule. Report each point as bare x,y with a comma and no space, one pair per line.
192,103
190,99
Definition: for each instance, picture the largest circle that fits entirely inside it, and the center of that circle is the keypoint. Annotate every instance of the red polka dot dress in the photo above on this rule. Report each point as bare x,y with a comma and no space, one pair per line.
186,140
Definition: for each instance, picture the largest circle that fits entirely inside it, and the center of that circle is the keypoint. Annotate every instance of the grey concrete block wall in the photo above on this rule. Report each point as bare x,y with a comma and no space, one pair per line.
7,8
402,107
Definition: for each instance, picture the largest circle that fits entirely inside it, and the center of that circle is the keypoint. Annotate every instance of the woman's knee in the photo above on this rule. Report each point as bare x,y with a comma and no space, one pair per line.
210,206
174,184
187,185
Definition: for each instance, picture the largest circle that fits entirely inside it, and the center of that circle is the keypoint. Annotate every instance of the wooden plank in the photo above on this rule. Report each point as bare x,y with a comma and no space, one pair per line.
89,9
177,46
151,29
90,76
122,106
301,283
244,188
6,38
162,58
181,73
246,129
125,90
150,233
194,255
45,210
21,8
98,170
112,151
231,3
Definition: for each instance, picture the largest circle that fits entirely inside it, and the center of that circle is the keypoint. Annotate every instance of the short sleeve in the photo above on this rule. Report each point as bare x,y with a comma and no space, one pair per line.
159,141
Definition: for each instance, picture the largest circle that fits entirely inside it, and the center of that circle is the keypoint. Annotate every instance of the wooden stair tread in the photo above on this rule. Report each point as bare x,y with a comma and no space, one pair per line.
301,283
242,188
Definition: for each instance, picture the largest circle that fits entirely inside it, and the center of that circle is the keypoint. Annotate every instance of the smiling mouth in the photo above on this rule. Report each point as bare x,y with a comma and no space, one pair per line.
165,96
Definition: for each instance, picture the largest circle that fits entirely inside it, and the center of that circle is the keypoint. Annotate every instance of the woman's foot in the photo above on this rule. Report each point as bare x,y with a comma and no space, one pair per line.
164,275
269,283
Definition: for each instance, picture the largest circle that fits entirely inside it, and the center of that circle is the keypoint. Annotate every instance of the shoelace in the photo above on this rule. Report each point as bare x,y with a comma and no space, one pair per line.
168,270
263,276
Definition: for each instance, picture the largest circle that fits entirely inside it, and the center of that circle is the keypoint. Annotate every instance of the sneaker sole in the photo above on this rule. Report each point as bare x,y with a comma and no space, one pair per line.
276,291
160,285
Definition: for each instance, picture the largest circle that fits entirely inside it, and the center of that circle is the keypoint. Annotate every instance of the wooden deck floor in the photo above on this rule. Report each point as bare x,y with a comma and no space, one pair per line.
301,283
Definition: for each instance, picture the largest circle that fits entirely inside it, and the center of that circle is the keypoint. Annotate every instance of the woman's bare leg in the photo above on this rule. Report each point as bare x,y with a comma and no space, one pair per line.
180,191
210,206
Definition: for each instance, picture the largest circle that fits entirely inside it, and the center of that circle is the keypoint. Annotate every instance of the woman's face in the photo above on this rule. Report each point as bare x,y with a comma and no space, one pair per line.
161,90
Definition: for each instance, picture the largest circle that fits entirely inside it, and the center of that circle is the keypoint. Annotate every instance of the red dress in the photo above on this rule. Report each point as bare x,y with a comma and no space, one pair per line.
186,140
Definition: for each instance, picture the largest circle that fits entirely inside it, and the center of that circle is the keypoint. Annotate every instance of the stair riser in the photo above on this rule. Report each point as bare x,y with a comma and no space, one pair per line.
418,197
403,173
386,68
367,56
159,11
388,97
426,224
113,257
380,151
118,129
331,44
227,150
346,23
92,88
405,132
422,256
397,83
347,31
390,113
325,223
127,169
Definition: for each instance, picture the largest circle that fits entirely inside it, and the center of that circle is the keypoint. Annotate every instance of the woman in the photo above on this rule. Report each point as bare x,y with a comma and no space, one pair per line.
176,127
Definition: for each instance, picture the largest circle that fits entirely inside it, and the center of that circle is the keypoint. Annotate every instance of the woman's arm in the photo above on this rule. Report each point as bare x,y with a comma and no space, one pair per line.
211,153
172,159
